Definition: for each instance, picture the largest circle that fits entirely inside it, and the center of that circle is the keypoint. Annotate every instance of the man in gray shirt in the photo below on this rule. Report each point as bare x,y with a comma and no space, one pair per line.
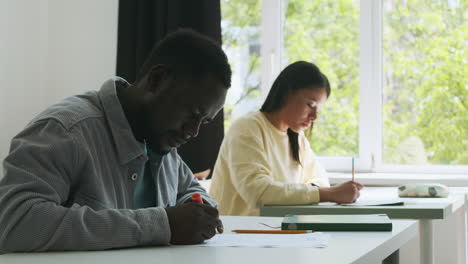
101,170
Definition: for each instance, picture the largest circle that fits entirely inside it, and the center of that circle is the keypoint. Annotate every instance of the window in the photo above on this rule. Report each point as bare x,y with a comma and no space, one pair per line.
425,71
241,41
327,34
397,68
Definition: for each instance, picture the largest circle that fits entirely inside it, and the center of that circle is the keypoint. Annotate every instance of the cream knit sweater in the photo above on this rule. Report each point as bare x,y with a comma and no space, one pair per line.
255,167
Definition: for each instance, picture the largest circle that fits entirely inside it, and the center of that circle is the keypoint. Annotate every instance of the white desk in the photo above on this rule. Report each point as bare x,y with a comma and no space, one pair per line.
423,209
344,247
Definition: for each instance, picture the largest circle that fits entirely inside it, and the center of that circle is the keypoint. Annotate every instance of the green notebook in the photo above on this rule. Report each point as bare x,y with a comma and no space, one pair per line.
363,222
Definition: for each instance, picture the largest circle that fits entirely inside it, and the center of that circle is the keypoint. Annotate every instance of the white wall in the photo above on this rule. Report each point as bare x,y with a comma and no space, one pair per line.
50,49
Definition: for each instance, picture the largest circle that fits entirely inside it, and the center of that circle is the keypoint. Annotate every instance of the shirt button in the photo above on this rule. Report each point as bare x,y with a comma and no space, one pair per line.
134,176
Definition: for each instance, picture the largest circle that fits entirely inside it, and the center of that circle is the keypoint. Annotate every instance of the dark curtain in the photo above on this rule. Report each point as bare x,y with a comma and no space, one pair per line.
142,23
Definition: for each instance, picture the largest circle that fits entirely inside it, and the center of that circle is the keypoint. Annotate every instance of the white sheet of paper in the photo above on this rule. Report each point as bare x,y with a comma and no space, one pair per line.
365,202
311,240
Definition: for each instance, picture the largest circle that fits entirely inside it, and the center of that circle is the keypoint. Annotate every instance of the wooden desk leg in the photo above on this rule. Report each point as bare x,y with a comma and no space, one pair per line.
426,241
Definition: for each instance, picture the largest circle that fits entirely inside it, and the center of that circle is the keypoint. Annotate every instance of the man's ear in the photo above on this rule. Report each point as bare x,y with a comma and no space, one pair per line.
157,75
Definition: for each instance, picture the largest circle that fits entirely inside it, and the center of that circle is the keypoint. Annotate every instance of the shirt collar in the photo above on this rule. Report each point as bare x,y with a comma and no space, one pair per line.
128,148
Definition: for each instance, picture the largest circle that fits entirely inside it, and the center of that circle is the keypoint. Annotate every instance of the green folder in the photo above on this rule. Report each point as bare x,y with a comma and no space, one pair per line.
362,222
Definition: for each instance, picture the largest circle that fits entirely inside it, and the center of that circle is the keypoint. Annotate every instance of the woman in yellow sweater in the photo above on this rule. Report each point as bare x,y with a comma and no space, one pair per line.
265,159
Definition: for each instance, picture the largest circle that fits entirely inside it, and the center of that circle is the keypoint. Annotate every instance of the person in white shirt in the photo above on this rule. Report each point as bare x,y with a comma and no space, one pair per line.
265,158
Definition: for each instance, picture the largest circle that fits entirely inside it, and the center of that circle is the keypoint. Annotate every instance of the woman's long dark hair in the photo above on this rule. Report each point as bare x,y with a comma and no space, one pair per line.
298,75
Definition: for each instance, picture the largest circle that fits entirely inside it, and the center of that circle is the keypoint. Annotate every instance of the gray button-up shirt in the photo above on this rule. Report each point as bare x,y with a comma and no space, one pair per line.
70,176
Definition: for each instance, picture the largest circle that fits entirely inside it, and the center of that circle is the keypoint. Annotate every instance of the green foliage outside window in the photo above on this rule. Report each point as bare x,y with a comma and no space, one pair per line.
327,34
425,74
240,30
425,81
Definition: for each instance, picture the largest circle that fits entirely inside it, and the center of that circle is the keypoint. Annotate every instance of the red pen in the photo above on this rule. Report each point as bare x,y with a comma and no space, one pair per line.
196,198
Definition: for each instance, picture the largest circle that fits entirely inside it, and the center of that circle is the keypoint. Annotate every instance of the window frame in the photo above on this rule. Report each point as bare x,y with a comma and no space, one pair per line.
370,90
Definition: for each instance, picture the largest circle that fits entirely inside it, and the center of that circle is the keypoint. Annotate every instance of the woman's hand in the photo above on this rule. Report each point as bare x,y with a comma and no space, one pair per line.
347,192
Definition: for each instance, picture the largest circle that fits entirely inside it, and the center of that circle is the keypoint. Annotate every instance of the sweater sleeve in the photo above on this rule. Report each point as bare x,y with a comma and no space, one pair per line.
189,185
313,172
38,173
252,175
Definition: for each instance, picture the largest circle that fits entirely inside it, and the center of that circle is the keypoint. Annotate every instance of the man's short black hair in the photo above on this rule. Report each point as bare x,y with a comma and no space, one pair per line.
188,53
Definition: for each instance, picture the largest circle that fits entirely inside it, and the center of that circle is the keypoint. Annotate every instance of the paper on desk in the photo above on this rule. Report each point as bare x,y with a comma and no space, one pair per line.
376,202
310,240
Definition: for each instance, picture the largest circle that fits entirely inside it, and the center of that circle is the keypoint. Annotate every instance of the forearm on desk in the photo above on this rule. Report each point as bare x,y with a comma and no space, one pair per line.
263,191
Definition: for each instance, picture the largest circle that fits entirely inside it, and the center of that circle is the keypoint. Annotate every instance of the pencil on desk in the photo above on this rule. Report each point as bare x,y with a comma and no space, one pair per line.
272,231
352,169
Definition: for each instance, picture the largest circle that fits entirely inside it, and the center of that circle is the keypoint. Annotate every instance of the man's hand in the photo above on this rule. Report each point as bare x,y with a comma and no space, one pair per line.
347,192
192,223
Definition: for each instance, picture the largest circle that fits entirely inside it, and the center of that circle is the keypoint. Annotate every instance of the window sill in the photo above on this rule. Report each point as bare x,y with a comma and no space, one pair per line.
395,179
